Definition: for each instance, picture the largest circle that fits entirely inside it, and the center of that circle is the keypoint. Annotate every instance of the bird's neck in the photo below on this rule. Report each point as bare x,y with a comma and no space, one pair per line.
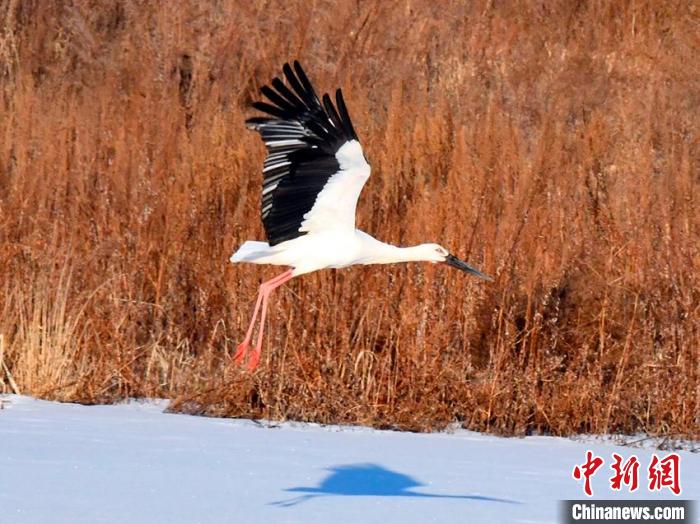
389,254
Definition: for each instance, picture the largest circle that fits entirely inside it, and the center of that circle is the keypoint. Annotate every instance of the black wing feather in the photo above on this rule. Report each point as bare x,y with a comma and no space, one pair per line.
312,98
344,115
298,88
286,93
332,113
277,99
302,137
269,109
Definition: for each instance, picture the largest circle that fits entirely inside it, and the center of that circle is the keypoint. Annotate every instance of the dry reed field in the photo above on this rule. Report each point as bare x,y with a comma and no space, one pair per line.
555,145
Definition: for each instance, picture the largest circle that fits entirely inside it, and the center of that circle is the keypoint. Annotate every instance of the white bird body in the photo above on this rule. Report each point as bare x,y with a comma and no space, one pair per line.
312,178
333,249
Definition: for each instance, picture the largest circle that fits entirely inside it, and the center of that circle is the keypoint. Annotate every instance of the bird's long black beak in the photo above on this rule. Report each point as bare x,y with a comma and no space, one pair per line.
453,261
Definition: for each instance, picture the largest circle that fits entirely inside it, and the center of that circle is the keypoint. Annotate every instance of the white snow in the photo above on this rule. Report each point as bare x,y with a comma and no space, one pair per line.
132,463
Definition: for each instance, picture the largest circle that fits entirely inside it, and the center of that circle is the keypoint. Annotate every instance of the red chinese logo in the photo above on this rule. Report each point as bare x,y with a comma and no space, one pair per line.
627,473
587,470
665,473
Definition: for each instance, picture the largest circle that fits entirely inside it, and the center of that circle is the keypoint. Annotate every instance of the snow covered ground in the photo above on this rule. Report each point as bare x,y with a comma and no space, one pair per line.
132,463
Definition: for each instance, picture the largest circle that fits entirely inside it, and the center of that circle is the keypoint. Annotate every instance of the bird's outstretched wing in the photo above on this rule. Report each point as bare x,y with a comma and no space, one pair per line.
315,168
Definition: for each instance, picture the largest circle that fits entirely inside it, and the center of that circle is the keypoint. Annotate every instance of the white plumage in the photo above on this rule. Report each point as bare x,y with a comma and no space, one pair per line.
312,179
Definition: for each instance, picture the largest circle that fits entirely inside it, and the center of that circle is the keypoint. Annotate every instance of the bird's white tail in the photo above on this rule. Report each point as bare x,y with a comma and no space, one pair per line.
250,251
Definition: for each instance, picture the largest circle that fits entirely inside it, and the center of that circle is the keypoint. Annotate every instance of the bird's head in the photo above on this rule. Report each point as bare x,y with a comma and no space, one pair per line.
436,253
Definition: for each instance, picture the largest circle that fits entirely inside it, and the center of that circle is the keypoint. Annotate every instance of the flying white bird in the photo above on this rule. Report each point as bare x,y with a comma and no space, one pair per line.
312,178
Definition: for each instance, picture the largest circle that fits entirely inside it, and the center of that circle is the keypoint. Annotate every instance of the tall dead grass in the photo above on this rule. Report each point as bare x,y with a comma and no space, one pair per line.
554,144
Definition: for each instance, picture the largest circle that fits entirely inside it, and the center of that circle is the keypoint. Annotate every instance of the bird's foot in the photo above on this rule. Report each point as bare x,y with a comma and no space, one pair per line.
241,352
253,356
254,359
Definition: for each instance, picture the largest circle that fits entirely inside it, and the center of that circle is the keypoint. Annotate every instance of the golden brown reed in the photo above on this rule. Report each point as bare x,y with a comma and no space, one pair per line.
553,144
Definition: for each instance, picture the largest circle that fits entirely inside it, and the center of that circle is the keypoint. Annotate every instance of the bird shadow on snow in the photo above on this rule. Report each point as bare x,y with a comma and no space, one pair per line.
356,480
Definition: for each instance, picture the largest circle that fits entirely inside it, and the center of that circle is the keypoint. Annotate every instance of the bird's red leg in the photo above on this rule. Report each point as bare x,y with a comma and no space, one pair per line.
255,356
244,346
